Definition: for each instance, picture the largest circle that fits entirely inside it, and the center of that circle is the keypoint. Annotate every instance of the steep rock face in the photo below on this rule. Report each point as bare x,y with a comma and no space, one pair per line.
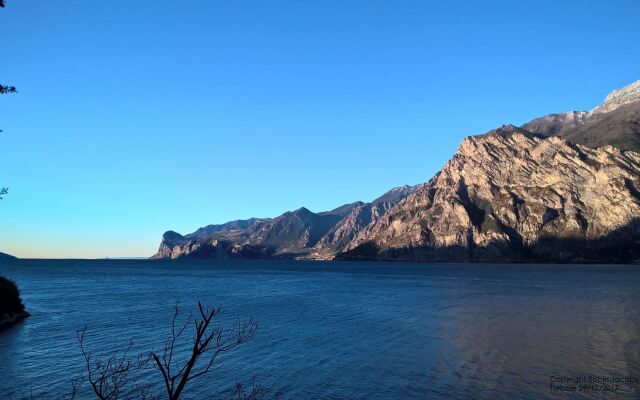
361,217
171,245
512,195
616,122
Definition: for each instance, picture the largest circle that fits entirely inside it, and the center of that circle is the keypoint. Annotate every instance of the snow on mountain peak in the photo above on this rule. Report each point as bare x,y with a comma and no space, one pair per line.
620,97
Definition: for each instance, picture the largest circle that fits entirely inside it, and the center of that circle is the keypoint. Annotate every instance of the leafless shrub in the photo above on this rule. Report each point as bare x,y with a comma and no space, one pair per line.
109,378
208,340
75,386
113,379
240,394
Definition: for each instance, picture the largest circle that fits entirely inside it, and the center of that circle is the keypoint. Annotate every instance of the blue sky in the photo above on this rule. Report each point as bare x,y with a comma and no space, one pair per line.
135,117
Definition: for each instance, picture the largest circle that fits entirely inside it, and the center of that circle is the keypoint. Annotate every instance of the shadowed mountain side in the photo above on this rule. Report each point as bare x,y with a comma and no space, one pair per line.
619,246
210,230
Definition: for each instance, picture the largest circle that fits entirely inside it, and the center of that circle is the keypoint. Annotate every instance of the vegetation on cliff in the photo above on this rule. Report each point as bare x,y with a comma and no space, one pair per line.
11,306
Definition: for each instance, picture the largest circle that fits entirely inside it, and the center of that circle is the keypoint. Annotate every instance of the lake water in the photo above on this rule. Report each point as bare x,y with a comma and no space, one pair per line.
339,330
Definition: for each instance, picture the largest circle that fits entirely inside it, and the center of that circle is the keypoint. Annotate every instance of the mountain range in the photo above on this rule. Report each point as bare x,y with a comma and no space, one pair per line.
561,188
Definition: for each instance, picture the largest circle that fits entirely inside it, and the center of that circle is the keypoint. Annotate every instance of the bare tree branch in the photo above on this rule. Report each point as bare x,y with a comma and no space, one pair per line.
75,387
109,379
208,339
239,393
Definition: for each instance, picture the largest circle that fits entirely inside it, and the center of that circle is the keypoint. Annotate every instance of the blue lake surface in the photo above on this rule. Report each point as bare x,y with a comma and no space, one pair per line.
338,330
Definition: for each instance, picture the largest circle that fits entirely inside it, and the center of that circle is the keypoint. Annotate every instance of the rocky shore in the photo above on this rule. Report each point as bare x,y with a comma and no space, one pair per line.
9,320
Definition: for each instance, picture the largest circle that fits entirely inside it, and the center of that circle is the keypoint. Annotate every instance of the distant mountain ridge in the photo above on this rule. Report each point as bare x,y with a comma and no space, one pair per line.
561,188
5,256
294,234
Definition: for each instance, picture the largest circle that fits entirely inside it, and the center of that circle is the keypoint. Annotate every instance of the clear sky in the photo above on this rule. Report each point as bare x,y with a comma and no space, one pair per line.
135,117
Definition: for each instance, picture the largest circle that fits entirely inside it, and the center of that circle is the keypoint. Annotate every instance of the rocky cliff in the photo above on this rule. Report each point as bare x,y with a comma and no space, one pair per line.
565,187
511,195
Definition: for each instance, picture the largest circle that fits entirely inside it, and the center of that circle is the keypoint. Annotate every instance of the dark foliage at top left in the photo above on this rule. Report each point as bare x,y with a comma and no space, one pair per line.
4,89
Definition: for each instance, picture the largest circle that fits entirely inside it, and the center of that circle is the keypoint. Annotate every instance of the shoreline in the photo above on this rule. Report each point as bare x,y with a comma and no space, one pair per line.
9,320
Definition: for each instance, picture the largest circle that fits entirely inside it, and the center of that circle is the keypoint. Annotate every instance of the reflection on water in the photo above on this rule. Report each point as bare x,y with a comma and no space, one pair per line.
340,330
514,338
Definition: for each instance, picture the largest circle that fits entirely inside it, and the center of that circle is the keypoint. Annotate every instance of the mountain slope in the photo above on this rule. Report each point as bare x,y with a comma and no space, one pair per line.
210,230
362,216
511,195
